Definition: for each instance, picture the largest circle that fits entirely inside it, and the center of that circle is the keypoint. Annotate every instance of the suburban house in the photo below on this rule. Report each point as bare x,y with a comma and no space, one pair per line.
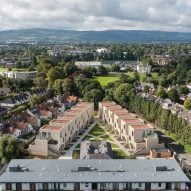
139,135
95,150
15,100
99,175
3,111
56,136
5,91
144,69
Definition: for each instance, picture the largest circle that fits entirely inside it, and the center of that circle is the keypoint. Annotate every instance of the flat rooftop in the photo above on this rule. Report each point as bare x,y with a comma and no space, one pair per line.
153,170
62,121
142,126
51,127
134,120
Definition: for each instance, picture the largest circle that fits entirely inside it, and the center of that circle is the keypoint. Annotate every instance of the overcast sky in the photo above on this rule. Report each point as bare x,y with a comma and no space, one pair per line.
166,15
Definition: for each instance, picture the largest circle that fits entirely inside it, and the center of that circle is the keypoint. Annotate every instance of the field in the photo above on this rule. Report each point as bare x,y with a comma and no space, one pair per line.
13,69
104,80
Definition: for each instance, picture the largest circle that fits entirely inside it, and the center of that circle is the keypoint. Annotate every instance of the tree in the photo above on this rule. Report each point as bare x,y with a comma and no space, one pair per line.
69,69
54,74
102,71
36,100
123,92
161,93
9,148
57,86
187,104
69,86
40,82
94,95
173,95
183,90
115,68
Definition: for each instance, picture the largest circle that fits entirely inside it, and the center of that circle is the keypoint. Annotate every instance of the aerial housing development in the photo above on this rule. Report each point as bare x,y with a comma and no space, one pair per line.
106,110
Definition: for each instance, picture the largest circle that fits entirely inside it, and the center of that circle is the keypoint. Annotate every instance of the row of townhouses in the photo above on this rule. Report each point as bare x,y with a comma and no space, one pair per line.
56,136
139,135
93,175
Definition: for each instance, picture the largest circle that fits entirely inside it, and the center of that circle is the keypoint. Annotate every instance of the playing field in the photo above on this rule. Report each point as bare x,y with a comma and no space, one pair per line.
104,80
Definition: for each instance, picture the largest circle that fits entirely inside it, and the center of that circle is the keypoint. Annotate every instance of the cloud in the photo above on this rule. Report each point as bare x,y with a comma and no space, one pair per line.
169,15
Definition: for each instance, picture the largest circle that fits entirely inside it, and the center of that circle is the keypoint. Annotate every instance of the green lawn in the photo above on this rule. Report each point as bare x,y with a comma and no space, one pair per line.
96,131
13,69
104,80
76,154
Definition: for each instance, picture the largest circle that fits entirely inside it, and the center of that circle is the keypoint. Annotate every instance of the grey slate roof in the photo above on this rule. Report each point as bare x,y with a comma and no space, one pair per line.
99,171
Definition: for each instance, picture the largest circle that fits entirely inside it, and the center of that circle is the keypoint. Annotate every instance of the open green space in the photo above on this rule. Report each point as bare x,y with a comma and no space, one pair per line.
96,131
76,154
104,80
13,69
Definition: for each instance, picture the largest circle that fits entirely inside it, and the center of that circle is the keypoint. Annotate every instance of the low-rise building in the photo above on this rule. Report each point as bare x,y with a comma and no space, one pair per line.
19,75
139,136
56,136
99,175
144,69
96,150
82,64
160,153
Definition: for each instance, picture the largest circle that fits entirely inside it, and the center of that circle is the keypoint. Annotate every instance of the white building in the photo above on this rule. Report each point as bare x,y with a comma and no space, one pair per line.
82,64
19,75
144,69
93,175
102,50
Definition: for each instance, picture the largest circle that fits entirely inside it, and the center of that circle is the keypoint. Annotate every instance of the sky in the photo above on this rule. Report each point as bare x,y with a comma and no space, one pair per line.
163,15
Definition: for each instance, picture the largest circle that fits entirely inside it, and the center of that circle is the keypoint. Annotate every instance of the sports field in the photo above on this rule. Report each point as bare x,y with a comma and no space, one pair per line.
104,80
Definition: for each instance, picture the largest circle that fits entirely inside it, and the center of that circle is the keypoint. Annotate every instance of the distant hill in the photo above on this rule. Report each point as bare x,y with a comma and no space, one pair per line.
120,36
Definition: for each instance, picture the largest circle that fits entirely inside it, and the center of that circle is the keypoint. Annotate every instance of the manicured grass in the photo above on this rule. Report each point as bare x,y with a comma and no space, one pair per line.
13,69
104,80
96,131
76,154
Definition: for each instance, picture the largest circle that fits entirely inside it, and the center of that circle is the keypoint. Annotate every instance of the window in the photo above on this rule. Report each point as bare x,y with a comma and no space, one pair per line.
45,186
18,186
8,186
159,184
86,185
140,184
132,133
32,186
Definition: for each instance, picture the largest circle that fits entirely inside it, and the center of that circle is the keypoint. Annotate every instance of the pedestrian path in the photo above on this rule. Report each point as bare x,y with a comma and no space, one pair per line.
68,153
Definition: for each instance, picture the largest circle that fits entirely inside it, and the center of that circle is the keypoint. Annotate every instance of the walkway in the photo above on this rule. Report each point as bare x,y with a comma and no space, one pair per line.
68,153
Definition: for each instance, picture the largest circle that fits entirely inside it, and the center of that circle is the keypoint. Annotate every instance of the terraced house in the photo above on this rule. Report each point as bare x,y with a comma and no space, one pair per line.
139,135
56,136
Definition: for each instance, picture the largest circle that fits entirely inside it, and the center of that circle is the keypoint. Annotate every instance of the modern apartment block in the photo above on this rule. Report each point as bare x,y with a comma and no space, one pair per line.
93,175
139,135
53,138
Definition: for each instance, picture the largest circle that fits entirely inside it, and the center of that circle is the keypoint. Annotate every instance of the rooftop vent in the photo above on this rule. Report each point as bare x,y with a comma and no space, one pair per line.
163,168
17,168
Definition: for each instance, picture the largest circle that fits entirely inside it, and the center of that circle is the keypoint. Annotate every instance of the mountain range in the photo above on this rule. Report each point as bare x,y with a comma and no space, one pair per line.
107,36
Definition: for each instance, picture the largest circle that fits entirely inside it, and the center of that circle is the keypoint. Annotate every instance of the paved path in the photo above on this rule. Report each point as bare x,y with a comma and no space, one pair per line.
115,141
68,153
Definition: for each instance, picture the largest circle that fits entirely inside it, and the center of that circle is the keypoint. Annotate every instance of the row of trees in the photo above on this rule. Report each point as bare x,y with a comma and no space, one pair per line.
163,118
